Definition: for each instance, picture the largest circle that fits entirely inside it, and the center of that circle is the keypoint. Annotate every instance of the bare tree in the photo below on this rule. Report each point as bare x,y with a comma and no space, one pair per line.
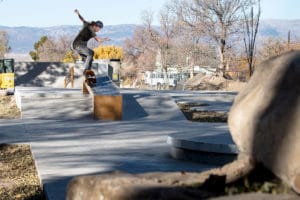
151,46
250,32
217,19
191,41
168,32
191,51
51,49
164,38
139,51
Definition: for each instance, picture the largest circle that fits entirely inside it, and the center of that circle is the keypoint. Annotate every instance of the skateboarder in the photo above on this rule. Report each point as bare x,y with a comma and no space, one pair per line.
79,44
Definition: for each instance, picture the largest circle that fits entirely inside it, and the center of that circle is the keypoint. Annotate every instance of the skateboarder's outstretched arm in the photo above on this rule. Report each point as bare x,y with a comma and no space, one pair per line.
101,40
98,39
80,17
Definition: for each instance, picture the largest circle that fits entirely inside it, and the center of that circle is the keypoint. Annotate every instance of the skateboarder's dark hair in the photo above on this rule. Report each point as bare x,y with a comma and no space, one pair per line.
97,23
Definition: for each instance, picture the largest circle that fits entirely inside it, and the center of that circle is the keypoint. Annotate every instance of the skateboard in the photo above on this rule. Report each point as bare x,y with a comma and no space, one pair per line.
90,78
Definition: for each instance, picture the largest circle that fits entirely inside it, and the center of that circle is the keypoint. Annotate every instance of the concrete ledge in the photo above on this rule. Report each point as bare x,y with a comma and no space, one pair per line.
210,158
108,101
212,144
53,103
46,74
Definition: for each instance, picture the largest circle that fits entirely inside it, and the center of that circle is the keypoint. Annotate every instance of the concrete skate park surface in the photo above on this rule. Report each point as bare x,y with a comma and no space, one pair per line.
67,142
64,148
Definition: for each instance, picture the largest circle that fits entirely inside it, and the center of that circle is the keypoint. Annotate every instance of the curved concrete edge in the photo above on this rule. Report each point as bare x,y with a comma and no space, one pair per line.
202,157
202,146
212,144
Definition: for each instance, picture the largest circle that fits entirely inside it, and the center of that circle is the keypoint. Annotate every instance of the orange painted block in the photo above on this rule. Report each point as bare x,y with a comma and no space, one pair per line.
108,107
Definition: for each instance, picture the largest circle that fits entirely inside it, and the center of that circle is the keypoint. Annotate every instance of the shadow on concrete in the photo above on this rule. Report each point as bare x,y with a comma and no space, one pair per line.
101,147
56,188
82,147
135,148
13,131
131,108
29,74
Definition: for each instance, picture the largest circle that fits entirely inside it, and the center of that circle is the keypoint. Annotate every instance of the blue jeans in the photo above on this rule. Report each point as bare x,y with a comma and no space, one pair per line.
87,55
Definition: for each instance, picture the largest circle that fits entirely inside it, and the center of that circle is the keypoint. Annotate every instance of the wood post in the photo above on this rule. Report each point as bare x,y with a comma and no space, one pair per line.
72,72
85,89
69,78
107,106
65,82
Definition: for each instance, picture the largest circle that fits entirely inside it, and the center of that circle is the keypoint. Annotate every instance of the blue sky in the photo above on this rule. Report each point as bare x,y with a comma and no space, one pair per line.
60,12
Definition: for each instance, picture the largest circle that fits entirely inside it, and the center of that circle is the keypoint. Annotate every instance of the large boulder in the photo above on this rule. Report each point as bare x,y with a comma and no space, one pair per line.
264,120
159,186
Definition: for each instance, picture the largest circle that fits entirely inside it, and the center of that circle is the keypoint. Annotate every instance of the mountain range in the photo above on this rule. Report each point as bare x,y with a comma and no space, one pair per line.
22,39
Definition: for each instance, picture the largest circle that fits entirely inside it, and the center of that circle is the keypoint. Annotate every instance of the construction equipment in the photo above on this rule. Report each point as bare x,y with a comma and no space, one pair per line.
7,75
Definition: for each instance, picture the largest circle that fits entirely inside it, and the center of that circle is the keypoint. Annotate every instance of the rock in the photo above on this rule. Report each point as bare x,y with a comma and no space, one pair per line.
158,186
264,120
258,196
129,187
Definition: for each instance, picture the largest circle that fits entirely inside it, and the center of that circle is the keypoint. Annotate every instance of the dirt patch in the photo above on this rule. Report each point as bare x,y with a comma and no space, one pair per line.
259,180
8,108
213,82
18,177
201,116
18,174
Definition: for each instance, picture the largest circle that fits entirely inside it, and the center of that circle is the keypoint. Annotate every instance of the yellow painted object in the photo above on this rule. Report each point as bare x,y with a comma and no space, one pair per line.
7,80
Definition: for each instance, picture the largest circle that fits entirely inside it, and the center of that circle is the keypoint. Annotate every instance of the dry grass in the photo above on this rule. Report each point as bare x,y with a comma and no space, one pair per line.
18,177
18,174
8,108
